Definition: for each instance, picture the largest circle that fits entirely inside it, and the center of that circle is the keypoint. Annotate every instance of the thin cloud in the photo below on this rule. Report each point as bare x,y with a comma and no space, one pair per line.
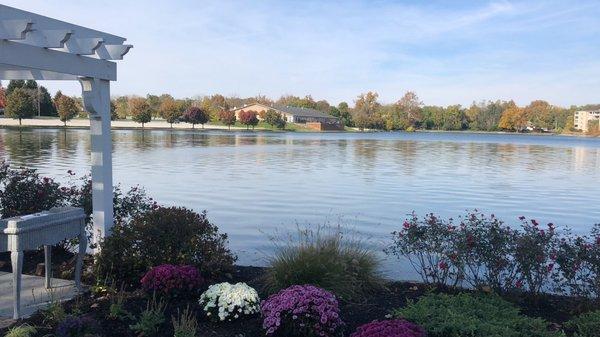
449,52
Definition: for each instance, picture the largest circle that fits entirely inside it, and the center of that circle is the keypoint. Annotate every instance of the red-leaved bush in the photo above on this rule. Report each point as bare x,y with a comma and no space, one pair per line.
171,280
389,328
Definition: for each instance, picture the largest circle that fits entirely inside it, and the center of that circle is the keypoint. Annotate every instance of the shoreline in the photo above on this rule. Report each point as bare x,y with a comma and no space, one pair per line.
161,125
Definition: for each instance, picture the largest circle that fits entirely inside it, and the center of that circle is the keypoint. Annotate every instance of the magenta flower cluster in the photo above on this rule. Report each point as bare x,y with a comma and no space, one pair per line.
389,328
171,280
302,310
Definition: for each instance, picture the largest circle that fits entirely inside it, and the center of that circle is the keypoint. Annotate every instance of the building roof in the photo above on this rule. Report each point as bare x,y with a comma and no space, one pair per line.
304,112
295,111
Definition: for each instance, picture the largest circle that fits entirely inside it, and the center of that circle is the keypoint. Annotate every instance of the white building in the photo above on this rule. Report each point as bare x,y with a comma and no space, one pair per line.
583,119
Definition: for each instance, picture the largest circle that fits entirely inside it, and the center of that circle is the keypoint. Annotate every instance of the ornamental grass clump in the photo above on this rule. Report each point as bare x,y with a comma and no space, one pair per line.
302,311
172,281
389,328
328,258
24,330
227,302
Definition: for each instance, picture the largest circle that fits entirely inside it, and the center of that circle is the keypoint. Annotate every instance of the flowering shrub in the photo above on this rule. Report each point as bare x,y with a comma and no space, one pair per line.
482,252
389,328
535,251
578,261
485,249
73,326
428,245
302,311
171,280
226,301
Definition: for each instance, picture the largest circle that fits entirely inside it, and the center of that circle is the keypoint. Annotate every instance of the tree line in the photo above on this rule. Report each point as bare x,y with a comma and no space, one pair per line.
23,99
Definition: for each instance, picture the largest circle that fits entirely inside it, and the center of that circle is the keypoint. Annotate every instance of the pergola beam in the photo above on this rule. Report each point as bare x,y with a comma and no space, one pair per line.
36,47
23,55
22,73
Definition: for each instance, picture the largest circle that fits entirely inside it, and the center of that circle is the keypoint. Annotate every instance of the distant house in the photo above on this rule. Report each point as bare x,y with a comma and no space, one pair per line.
583,118
312,118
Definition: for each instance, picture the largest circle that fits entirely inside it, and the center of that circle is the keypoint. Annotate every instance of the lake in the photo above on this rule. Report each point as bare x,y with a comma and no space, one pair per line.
253,184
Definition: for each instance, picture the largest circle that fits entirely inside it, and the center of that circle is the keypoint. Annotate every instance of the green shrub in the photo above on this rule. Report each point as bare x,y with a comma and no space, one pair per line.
585,325
467,315
164,235
24,330
327,259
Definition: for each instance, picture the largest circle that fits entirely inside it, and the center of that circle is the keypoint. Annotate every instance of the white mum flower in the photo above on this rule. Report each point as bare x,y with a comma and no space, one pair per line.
230,300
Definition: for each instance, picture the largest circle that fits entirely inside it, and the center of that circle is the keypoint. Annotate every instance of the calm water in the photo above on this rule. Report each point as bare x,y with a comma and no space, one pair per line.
255,183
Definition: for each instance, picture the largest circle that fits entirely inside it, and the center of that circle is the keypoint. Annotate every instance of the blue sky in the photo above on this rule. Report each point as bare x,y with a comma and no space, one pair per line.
448,52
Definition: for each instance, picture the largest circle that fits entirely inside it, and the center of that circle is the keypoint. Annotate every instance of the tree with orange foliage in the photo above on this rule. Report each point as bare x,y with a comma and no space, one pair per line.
513,119
227,117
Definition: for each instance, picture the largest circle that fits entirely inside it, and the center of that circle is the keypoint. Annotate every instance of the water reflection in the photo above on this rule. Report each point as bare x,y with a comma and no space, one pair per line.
251,181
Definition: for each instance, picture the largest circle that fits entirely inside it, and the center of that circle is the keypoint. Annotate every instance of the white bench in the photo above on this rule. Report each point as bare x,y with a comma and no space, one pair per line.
47,228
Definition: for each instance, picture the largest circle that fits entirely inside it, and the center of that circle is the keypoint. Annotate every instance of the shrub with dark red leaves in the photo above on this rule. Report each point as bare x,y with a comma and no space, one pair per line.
25,192
389,328
300,311
164,235
171,280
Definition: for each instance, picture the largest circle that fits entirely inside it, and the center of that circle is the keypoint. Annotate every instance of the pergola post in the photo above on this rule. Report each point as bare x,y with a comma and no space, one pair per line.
96,99
37,47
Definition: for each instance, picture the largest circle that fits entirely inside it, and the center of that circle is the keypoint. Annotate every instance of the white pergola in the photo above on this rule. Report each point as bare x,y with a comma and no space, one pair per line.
36,47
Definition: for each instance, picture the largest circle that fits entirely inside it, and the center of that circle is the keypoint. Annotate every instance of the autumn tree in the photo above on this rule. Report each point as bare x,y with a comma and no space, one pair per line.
2,97
139,110
19,105
540,114
513,119
248,118
262,99
218,103
121,107
361,120
593,128
410,105
365,108
169,110
454,118
67,108
195,115
227,117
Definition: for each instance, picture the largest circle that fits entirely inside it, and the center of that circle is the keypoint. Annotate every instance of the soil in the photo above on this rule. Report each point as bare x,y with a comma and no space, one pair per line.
555,309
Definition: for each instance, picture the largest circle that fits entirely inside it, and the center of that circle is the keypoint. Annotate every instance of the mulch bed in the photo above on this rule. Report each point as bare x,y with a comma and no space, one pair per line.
555,309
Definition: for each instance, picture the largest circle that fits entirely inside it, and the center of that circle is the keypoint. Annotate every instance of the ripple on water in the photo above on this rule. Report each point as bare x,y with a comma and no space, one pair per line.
256,183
